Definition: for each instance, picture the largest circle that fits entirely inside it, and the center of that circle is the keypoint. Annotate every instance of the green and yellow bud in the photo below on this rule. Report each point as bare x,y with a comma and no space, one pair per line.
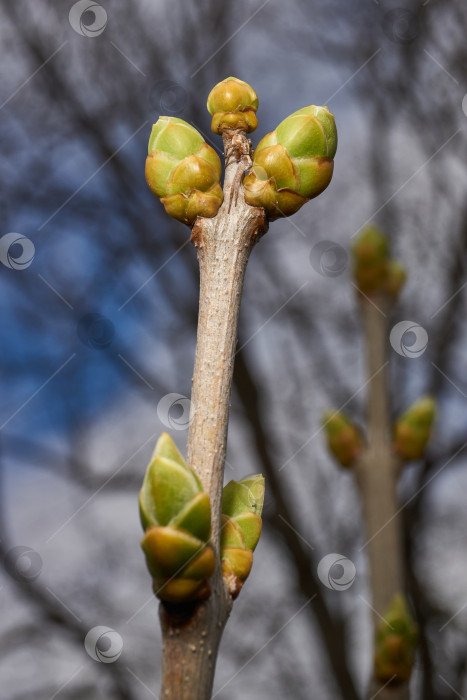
294,163
413,429
176,516
344,440
232,104
395,644
183,170
371,257
242,505
395,279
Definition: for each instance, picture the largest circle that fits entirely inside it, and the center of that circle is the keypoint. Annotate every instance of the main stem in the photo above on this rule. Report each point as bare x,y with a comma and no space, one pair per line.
377,472
191,634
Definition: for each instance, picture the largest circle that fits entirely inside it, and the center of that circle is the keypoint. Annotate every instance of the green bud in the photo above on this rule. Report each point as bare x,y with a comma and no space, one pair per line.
231,533
250,525
413,429
170,549
371,257
344,439
183,170
238,497
294,163
181,590
395,644
256,484
167,488
195,517
236,566
395,279
232,104
242,505
176,516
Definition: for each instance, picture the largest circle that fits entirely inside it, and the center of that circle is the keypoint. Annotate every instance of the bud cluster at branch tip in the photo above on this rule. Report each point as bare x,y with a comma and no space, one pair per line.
242,505
183,170
395,644
344,439
413,429
176,516
232,104
375,271
294,163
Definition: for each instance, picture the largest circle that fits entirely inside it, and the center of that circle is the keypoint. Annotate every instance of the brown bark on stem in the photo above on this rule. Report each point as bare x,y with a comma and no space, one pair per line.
191,634
377,471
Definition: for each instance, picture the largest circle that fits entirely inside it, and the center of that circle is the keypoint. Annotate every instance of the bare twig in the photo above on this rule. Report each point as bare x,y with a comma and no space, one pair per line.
377,471
192,633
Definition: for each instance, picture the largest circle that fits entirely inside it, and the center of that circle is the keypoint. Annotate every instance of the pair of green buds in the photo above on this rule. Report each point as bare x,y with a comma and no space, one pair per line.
176,516
412,432
375,271
395,644
291,165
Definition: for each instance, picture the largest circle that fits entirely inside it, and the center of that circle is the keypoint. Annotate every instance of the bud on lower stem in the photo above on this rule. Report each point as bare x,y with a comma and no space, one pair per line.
242,505
344,440
374,270
183,171
294,163
413,429
176,516
395,644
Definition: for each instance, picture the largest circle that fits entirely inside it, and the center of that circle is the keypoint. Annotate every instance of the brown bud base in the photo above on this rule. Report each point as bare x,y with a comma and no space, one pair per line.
393,664
179,590
244,120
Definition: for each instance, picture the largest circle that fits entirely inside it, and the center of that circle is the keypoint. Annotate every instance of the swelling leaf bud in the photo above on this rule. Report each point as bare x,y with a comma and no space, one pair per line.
242,505
371,256
176,516
395,279
395,644
183,170
344,439
232,104
413,429
294,163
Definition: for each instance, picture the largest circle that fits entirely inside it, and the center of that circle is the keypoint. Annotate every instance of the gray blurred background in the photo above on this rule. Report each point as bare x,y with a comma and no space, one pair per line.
99,304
